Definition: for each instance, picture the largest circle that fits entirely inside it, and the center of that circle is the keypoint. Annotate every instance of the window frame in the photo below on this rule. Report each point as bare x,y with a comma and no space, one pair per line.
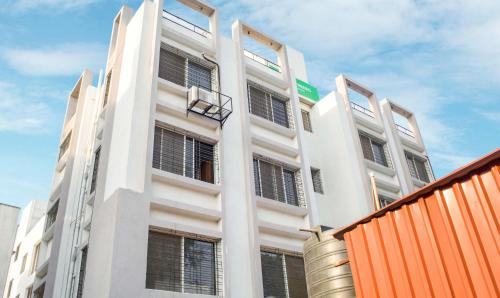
270,97
284,268
386,159
306,120
317,180
413,158
388,200
95,169
34,258
23,263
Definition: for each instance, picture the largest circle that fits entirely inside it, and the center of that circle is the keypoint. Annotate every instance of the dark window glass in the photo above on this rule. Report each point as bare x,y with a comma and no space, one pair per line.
378,153
267,183
164,262
384,201
421,170
64,146
273,277
259,104
199,267
81,279
95,170
106,90
256,177
290,187
172,67
316,178
204,162
373,150
411,165
280,115
189,163
51,215
306,121
266,105
366,147
296,277
199,76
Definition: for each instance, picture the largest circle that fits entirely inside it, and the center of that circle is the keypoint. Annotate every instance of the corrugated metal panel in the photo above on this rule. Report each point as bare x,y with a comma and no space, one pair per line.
441,241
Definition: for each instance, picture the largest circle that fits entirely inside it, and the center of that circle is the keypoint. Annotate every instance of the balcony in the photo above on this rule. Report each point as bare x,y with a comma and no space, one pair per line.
263,61
209,103
405,131
186,24
362,109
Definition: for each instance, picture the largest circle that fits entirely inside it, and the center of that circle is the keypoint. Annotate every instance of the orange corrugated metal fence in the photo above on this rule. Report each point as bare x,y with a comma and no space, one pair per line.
441,241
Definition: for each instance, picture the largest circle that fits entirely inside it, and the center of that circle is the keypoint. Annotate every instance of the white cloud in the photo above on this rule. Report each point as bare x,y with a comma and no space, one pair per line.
53,6
60,60
490,115
21,114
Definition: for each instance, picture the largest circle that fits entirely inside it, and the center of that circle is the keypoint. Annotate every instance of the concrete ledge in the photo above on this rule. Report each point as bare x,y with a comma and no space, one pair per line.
186,209
165,107
61,163
380,168
278,245
42,270
56,192
286,231
266,74
275,146
172,87
185,182
418,183
49,233
90,199
271,155
266,124
280,207
370,124
169,225
387,185
183,36
411,144
150,293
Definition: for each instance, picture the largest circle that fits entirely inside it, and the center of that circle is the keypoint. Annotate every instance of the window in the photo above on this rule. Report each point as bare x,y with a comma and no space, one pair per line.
64,146
384,200
306,120
97,157
268,104
39,291
51,216
81,279
23,264
277,182
9,289
106,90
373,150
34,261
183,155
316,178
183,69
182,264
283,275
16,255
417,167
29,292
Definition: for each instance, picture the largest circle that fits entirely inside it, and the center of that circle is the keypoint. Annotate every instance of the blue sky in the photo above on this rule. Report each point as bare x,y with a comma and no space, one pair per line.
440,59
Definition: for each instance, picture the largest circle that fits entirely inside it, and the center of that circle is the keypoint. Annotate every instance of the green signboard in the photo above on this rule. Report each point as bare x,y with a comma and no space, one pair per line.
308,91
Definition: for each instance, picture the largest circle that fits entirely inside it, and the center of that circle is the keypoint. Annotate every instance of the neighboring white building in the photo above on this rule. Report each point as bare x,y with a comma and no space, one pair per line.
8,227
191,166
27,253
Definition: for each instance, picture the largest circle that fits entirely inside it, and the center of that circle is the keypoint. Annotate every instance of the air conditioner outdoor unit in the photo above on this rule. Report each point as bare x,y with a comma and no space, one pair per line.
202,99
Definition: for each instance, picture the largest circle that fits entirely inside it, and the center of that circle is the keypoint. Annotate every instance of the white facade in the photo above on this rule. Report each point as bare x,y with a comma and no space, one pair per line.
27,254
139,163
8,227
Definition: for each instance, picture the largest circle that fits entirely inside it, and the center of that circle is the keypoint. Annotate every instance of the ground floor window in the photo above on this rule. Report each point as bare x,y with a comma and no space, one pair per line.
186,264
283,275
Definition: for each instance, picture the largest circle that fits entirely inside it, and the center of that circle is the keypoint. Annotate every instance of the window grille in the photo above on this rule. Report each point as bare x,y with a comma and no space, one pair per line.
184,155
97,156
34,261
374,150
384,200
316,179
51,216
64,146
186,70
81,278
306,120
278,182
417,167
183,263
269,105
283,275
39,291
106,90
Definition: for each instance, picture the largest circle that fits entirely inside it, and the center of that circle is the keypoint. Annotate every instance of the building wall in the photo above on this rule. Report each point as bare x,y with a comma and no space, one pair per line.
29,234
8,227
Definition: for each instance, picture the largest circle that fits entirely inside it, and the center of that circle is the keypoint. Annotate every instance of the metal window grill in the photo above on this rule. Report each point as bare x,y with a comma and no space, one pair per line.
64,145
384,200
278,181
51,216
176,152
81,277
269,105
316,179
418,167
186,70
375,150
283,274
182,262
97,156
306,120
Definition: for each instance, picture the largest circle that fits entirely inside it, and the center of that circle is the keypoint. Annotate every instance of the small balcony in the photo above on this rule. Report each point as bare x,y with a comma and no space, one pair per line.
186,24
209,103
259,59
362,110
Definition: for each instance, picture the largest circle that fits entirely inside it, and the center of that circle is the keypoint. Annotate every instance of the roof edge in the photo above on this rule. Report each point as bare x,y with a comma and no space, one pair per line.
489,160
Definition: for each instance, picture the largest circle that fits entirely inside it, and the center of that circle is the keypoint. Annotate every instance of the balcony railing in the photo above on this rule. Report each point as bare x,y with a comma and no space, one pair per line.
262,61
186,24
405,131
362,109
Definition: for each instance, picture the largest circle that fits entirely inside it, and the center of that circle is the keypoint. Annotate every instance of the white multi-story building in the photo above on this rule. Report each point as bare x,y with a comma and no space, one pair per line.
26,253
192,165
8,227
